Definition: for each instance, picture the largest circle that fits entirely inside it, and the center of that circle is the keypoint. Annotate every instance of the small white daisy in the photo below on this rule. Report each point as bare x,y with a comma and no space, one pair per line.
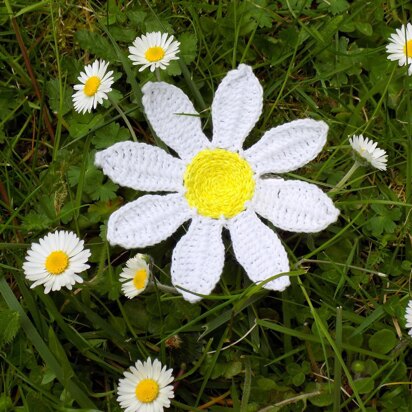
367,149
55,261
135,276
408,317
95,84
146,387
400,46
154,50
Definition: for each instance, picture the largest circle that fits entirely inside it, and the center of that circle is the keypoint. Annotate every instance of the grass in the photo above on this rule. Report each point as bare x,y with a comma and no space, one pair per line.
335,339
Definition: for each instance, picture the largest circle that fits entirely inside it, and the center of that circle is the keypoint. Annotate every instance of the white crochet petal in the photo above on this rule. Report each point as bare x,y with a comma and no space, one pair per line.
287,147
141,167
147,221
236,108
174,119
294,205
259,250
198,258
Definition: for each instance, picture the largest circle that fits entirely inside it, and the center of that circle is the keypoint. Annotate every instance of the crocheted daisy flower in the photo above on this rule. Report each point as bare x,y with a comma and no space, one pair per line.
408,317
94,85
217,185
154,50
56,260
146,387
135,276
400,46
368,150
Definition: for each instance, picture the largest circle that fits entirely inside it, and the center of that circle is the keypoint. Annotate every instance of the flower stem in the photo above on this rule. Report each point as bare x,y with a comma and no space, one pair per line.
126,120
164,288
157,72
345,178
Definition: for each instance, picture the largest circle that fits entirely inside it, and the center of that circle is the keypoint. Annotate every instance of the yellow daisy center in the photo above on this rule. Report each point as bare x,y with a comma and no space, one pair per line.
407,49
57,262
91,86
218,183
154,54
147,390
140,278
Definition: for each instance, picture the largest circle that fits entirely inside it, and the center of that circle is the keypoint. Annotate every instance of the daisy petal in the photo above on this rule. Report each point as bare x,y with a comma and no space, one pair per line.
294,205
259,250
147,221
174,119
288,147
141,167
236,108
198,258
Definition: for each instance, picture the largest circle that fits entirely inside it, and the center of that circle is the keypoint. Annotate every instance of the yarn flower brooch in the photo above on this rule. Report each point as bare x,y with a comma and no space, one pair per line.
216,184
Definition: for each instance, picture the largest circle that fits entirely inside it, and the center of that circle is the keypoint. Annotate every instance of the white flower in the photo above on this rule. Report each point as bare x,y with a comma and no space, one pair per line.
217,185
56,260
135,276
154,50
400,46
367,149
408,317
95,84
146,387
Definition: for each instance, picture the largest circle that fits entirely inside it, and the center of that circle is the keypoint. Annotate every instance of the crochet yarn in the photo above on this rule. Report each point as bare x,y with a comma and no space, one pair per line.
261,259
293,205
217,185
141,167
198,258
147,221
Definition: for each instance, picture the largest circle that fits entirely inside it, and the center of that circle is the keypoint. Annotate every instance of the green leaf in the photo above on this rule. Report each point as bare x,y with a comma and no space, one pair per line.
339,6
6,404
104,192
298,379
156,23
36,221
326,396
364,28
9,325
81,124
364,385
258,11
96,44
232,369
382,341
136,17
347,337
293,369
123,34
188,47
266,384
173,69
53,93
383,222
93,181
335,6
109,135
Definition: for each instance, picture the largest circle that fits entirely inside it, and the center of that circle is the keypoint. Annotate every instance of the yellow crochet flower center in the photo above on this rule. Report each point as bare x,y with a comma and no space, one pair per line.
407,49
91,86
218,183
147,390
139,279
57,262
154,54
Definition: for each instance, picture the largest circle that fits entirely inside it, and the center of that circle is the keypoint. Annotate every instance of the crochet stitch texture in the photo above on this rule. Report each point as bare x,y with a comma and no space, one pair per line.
216,184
